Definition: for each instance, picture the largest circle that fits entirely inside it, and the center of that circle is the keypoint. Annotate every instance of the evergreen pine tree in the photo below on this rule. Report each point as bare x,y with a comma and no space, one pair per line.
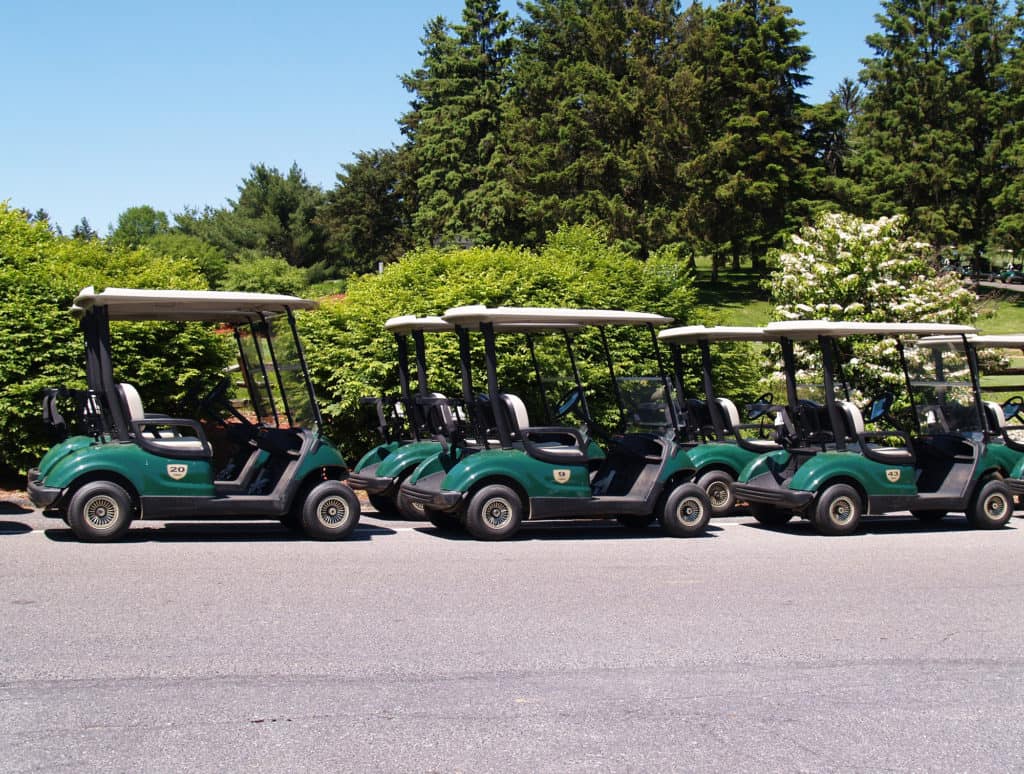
452,128
594,116
749,173
929,131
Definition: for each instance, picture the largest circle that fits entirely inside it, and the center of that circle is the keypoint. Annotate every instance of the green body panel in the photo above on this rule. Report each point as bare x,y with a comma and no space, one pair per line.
729,456
537,478
60,451
375,455
323,455
873,477
762,464
148,473
408,456
999,456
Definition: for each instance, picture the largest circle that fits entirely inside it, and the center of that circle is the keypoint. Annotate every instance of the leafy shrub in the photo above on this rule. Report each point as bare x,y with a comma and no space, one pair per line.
40,343
253,272
351,354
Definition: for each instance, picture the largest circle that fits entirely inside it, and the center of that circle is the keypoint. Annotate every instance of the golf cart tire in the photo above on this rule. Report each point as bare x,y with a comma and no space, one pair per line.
412,511
769,515
992,505
495,512
99,512
718,486
384,505
686,512
635,521
330,511
929,516
838,510
446,522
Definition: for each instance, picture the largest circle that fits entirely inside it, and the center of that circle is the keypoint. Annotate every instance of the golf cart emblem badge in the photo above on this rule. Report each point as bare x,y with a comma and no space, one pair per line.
177,472
893,475
561,475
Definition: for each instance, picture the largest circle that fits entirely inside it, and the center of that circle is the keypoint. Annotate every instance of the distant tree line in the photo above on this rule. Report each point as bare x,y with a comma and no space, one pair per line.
674,128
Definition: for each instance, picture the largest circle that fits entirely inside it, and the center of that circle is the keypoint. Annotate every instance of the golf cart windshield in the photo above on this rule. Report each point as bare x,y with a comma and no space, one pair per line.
941,388
273,374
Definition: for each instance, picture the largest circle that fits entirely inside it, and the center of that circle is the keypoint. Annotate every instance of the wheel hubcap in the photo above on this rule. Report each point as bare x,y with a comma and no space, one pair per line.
841,510
690,510
333,511
497,512
995,506
718,493
101,511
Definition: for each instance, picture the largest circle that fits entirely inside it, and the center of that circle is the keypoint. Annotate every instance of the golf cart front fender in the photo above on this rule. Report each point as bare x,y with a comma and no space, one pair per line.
678,465
762,464
721,456
375,456
382,475
89,461
324,454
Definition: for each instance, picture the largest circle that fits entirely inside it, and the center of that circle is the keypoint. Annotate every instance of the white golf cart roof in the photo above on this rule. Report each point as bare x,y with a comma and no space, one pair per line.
691,333
407,323
543,317
811,329
987,341
180,305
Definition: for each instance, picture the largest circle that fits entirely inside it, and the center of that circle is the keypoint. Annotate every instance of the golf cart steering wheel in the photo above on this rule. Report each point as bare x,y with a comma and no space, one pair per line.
569,402
1012,407
760,406
217,398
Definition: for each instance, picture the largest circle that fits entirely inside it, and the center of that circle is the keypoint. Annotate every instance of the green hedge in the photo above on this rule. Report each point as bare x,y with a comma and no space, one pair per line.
40,343
351,354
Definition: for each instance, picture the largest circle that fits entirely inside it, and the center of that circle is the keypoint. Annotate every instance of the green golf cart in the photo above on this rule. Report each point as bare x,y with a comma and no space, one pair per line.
381,470
554,472
404,423
718,442
832,470
269,459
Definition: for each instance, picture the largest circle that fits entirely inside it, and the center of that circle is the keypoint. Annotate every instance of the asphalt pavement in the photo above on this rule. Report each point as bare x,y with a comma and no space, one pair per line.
239,646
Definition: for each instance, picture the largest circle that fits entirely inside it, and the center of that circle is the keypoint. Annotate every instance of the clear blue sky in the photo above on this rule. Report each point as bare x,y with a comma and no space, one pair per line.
110,104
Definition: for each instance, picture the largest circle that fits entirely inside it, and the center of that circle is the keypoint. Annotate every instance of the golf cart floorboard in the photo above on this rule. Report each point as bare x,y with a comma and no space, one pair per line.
604,506
235,506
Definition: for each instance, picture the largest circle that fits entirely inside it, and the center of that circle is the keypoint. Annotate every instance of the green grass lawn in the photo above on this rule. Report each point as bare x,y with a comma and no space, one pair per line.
737,298
1002,312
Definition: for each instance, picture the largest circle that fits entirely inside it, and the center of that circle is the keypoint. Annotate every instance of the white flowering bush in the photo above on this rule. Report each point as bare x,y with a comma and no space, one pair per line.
844,268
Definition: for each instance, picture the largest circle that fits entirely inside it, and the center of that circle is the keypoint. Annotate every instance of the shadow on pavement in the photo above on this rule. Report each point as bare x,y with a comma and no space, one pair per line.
14,528
880,525
13,508
571,530
219,532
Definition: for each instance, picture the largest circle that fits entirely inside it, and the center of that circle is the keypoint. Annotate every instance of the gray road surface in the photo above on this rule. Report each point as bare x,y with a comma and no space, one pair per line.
236,647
